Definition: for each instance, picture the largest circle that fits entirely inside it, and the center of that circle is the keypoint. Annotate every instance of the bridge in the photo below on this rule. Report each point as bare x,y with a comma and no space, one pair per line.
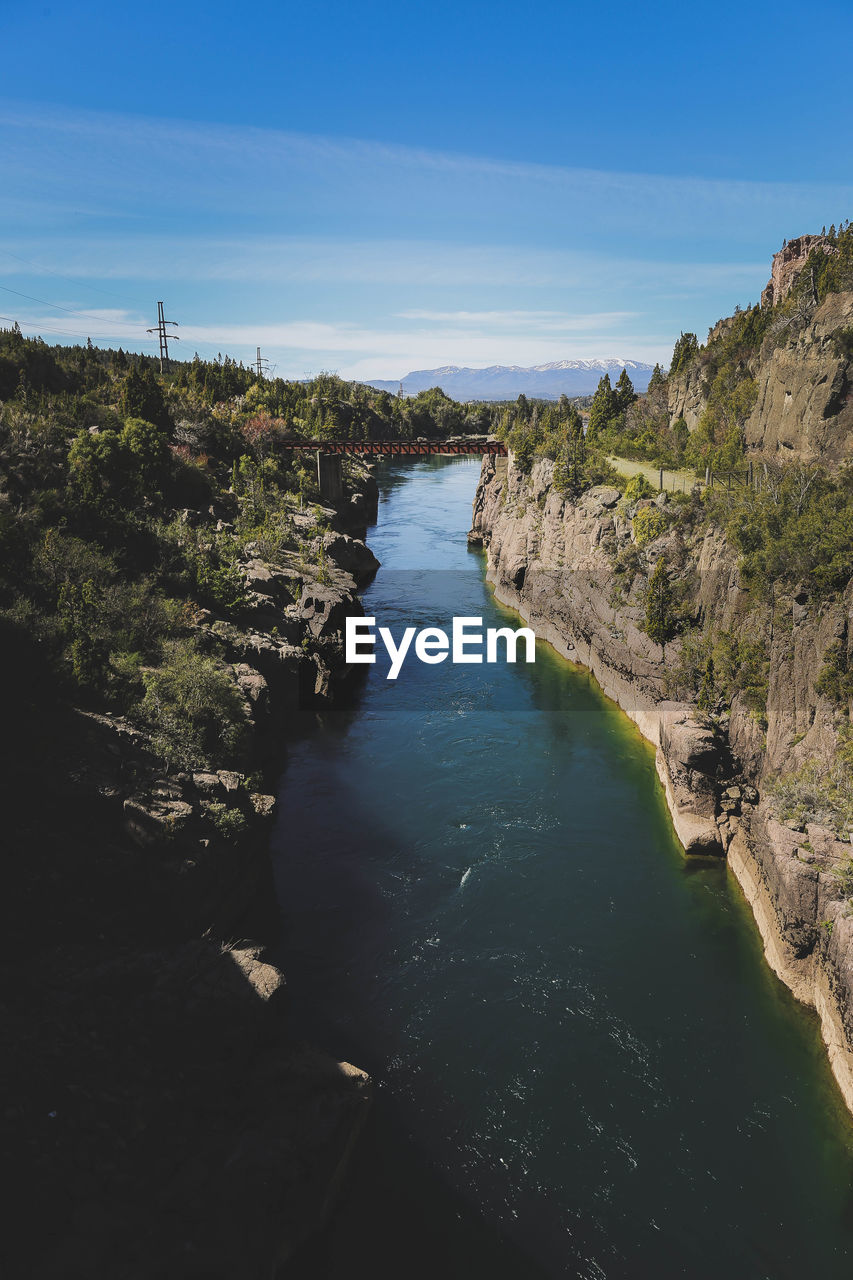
329,453
397,448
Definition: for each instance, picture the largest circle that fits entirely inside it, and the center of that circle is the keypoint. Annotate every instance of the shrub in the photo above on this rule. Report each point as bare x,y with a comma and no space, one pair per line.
660,610
192,709
638,487
820,791
835,681
649,523
230,823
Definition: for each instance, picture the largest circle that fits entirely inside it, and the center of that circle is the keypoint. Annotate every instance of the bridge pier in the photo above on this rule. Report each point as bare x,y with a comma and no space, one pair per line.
329,476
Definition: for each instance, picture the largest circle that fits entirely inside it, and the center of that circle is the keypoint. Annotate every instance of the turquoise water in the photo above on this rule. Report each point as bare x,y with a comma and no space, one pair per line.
584,1066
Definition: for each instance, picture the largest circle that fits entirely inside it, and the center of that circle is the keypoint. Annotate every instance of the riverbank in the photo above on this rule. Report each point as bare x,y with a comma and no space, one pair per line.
162,1116
546,560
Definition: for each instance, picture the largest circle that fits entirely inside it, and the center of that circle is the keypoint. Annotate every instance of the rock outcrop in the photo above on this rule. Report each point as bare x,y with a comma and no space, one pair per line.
803,372
788,264
552,560
804,383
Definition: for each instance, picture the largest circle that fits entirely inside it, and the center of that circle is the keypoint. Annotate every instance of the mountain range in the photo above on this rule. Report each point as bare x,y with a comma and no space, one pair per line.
507,382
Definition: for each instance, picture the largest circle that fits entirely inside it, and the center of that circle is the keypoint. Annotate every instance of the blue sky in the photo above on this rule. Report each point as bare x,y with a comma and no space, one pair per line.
374,188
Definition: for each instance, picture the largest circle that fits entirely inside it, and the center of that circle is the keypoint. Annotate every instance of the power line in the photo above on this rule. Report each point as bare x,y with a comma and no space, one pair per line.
78,280
261,364
84,315
67,333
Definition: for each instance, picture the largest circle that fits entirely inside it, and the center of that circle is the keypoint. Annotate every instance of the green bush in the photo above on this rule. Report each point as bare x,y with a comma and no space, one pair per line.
835,681
649,523
799,529
230,823
638,487
820,791
193,710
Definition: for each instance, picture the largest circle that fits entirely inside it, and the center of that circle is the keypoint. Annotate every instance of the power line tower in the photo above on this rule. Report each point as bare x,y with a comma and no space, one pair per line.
160,330
261,364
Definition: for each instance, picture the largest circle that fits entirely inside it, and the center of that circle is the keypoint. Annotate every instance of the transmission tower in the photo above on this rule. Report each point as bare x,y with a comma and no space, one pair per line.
160,330
261,364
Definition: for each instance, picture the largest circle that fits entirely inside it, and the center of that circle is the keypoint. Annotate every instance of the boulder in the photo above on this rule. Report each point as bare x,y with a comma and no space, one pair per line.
324,610
255,689
264,806
268,582
601,498
351,555
149,818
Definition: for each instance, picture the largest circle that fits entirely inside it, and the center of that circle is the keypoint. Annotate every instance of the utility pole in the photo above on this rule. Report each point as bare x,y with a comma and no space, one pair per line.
160,330
261,364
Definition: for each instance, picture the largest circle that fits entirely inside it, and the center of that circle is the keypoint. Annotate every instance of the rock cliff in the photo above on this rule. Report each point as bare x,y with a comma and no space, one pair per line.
796,352
555,561
804,403
787,265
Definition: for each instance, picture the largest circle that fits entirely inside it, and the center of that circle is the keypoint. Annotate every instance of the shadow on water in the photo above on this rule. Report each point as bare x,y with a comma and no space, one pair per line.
398,1216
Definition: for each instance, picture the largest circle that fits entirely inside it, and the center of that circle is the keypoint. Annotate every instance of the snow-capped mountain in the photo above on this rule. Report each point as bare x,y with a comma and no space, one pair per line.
506,382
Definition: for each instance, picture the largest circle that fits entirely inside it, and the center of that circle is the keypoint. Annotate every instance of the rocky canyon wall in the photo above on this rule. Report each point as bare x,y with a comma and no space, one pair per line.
552,560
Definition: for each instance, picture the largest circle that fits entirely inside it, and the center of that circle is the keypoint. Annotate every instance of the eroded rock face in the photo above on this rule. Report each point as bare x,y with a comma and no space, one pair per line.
787,265
804,404
552,560
325,610
804,407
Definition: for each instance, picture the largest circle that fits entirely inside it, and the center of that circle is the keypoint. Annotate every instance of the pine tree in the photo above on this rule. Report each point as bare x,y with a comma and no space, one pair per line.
603,408
659,611
708,692
686,347
142,397
657,379
624,392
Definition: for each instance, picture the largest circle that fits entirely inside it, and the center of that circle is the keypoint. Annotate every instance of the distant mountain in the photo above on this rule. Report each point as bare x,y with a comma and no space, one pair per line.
507,382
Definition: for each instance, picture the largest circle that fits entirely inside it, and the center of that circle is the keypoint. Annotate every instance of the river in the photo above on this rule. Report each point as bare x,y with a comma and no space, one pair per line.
584,1066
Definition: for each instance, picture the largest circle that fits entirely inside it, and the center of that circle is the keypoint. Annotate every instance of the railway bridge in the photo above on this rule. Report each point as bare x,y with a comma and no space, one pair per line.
329,453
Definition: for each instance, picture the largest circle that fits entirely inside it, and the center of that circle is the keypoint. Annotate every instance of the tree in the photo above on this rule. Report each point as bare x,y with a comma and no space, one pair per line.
95,466
686,347
624,391
148,453
708,692
660,617
142,397
658,378
603,409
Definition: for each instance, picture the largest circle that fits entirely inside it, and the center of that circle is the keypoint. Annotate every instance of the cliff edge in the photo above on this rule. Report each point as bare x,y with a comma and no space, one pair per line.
575,569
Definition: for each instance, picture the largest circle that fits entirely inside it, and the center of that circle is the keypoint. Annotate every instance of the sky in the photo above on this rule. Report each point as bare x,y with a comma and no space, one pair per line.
374,188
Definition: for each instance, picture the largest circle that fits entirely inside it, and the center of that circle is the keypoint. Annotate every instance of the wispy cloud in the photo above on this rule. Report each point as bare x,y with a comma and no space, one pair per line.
351,254
206,157
297,260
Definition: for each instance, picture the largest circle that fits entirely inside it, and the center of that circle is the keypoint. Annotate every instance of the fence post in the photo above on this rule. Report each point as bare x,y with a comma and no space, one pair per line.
660,486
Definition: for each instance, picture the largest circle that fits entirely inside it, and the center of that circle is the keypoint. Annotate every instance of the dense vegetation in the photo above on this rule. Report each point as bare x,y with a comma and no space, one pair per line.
540,429
127,500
